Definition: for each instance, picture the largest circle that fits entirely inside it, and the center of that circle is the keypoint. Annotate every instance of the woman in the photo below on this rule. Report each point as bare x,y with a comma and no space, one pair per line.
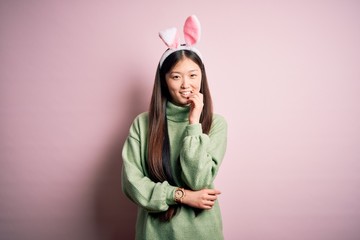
174,151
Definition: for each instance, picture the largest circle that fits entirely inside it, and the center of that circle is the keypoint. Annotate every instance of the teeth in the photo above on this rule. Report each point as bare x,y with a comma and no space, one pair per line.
185,93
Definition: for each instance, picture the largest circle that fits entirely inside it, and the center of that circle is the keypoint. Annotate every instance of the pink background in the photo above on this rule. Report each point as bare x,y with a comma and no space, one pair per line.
285,74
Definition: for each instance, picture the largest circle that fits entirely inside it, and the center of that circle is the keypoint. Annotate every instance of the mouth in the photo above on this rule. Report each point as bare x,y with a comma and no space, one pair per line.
185,93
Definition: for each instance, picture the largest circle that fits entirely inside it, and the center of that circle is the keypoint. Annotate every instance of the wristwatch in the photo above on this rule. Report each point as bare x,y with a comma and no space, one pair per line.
179,195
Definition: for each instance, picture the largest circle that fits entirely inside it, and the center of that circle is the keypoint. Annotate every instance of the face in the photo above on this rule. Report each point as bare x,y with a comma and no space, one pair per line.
183,80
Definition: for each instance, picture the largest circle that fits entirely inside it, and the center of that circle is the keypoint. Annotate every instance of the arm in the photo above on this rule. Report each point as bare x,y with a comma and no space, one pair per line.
201,154
154,197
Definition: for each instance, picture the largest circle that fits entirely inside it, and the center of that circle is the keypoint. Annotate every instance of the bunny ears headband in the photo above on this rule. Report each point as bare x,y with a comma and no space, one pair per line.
170,37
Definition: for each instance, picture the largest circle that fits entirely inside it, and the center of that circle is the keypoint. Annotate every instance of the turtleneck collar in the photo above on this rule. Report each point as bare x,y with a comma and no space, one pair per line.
177,113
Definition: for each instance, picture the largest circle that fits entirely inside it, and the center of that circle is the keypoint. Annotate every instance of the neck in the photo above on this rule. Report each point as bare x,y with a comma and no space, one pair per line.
177,113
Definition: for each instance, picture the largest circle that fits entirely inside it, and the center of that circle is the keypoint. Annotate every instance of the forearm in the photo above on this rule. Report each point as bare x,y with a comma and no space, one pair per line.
154,197
201,154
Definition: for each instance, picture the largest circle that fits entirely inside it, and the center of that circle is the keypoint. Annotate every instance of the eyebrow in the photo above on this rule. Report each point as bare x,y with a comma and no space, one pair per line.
194,70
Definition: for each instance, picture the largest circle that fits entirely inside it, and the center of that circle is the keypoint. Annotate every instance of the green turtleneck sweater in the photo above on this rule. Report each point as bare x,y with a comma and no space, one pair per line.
199,162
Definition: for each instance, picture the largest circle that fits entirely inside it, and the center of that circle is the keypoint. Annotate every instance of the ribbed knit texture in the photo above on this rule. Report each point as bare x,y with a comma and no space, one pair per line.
199,162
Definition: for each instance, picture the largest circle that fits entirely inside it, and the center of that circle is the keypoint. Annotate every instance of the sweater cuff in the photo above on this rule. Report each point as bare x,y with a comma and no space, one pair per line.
194,129
170,198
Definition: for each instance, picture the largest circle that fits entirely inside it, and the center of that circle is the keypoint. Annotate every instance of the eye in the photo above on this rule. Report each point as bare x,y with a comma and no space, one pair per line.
193,75
176,77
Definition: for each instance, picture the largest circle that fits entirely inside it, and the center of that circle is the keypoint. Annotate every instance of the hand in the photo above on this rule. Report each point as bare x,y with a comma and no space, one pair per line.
196,106
203,199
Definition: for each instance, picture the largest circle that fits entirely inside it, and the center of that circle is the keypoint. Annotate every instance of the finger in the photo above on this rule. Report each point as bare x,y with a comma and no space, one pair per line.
209,204
212,197
207,207
195,101
214,191
196,96
192,100
193,97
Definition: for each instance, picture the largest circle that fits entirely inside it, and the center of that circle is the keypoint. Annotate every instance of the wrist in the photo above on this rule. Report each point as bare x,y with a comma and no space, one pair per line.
191,122
179,195
194,119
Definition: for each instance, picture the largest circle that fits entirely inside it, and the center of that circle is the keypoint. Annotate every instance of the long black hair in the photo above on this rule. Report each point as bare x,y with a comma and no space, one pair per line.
158,159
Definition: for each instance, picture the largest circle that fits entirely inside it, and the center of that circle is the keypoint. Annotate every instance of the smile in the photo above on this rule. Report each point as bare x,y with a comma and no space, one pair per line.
185,93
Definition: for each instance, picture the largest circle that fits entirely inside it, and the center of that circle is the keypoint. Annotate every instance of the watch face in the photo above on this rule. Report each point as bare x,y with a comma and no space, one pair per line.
179,193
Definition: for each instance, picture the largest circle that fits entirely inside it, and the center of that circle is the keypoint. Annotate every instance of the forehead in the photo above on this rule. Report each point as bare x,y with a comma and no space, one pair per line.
185,65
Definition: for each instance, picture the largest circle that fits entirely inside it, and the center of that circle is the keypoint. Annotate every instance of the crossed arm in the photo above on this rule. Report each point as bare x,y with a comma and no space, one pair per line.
200,159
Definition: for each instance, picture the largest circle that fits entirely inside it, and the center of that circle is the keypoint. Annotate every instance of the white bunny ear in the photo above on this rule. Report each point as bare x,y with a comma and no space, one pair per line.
170,37
192,30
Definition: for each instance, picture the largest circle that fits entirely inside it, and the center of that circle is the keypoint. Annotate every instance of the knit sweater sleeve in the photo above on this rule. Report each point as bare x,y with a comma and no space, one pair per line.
202,154
137,186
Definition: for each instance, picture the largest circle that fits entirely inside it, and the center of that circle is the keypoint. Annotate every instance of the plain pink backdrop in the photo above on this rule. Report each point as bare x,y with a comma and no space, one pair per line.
285,74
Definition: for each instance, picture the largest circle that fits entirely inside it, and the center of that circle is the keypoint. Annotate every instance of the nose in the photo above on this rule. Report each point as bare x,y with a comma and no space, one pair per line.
186,83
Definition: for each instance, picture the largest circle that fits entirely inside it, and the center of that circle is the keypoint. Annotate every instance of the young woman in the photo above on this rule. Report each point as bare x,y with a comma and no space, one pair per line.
174,151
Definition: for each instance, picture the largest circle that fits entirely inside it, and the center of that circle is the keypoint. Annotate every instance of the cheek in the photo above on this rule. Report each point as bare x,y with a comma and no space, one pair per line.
198,85
172,90
173,86
170,86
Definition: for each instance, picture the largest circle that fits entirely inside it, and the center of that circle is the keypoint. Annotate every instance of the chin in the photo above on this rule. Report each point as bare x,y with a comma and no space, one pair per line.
181,103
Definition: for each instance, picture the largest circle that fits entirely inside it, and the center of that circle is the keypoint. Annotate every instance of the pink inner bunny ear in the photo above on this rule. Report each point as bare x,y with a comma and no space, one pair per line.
170,37
192,30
